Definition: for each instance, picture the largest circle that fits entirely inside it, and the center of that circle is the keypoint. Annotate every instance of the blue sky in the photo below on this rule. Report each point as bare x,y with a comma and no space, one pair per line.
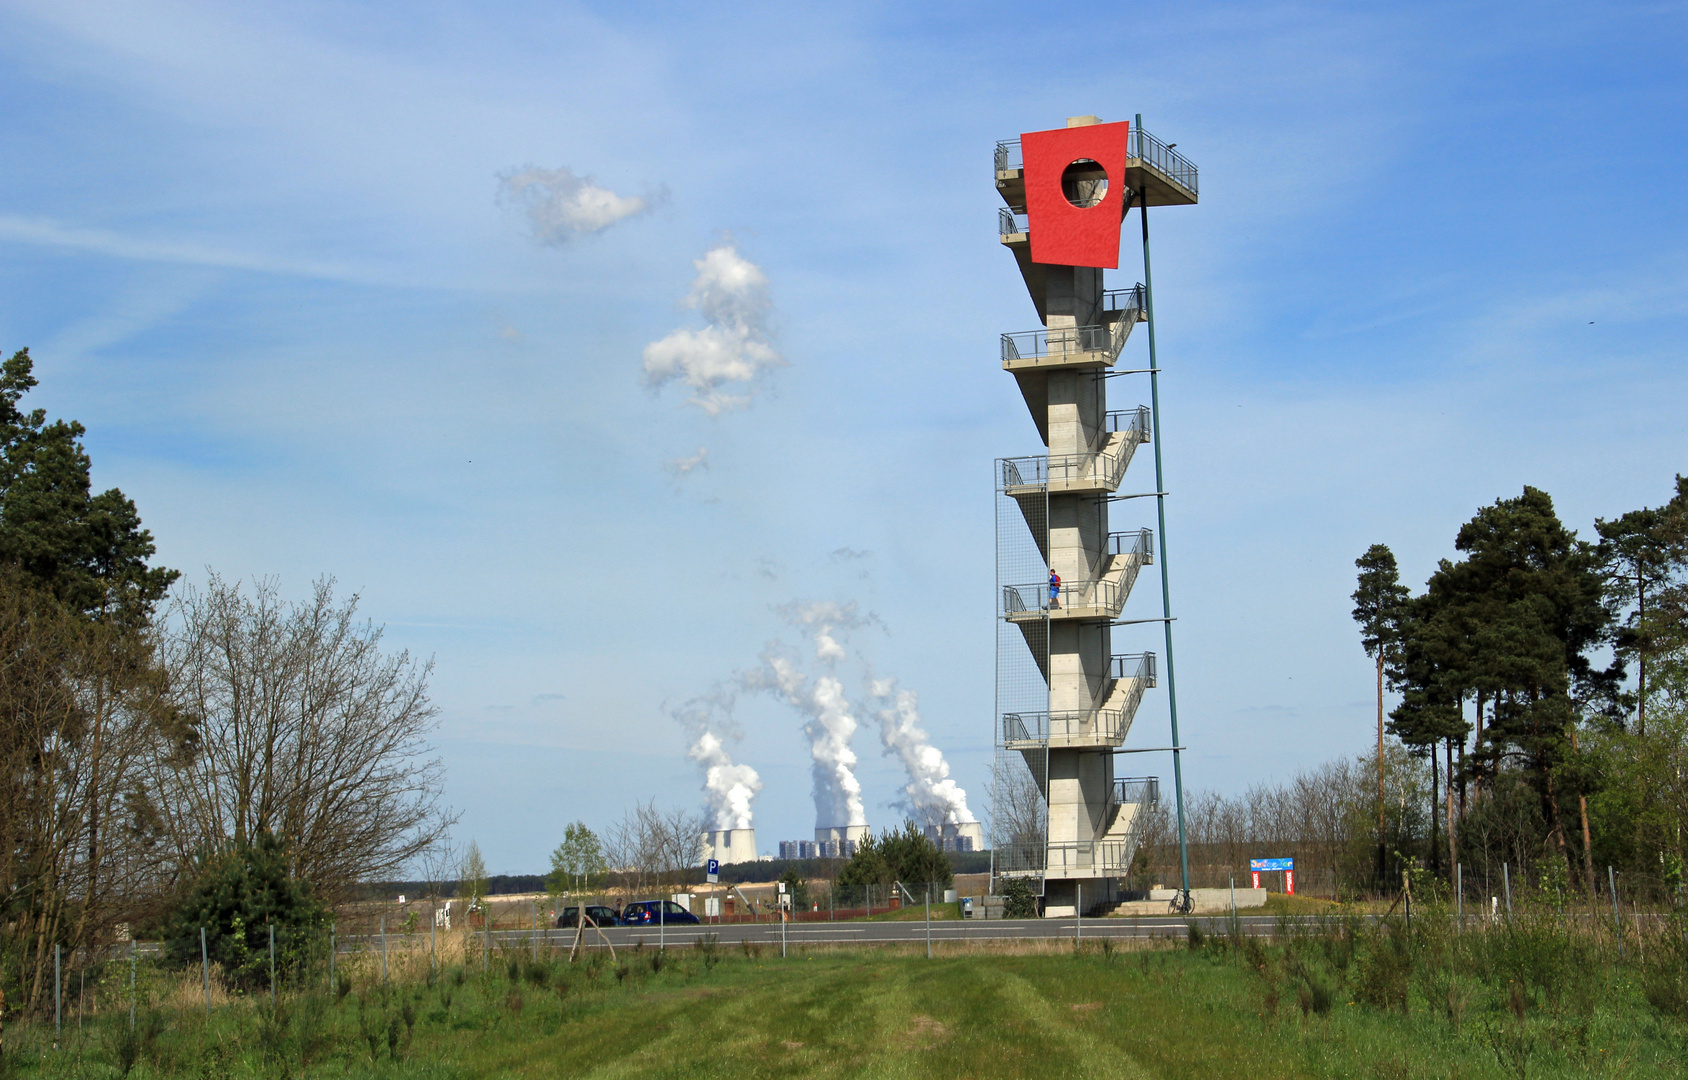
260,250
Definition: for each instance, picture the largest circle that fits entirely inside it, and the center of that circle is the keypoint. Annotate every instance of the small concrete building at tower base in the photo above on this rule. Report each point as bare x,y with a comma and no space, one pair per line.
728,846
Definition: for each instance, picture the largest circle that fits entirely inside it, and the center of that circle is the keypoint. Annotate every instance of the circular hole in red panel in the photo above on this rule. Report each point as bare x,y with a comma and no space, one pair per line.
1084,183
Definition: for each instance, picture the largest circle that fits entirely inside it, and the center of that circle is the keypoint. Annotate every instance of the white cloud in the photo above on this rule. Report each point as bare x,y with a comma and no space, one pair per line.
561,206
44,232
680,467
732,294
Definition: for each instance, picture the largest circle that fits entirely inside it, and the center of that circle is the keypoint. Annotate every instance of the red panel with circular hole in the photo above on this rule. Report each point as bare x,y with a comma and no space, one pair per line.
1072,220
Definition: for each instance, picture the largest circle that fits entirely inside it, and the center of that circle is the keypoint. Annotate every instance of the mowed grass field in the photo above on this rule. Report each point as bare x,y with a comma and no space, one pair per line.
846,1012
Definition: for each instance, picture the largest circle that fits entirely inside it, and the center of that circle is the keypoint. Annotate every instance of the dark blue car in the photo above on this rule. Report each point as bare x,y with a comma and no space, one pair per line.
650,912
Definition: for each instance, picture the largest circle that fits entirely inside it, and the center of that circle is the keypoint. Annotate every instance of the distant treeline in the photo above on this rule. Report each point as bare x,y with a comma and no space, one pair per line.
968,862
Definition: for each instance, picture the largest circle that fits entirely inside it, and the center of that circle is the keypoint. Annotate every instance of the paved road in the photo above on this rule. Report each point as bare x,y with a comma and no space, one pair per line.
877,933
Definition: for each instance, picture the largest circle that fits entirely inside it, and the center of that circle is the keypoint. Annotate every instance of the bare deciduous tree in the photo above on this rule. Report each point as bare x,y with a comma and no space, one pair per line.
1021,821
471,875
302,727
651,847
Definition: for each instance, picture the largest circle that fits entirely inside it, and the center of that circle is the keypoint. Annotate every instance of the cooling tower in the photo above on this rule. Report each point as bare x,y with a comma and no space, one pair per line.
728,846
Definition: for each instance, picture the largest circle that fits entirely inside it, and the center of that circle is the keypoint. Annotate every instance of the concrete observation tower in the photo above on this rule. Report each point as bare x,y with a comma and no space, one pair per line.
1066,819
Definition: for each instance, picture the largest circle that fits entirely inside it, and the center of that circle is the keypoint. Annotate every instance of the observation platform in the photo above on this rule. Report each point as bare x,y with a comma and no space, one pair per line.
1102,728
1097,345
1109,854
1095,473
1099,598
1152,168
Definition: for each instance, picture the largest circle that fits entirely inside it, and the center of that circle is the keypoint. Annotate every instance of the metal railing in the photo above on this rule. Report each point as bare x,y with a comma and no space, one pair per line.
1130,303
1139,666
1076,725
1134,421
1144,790
1138,542
1070,340
1142,678
1157,155
1024,472
1144,147
1102,592
1017,857
1099,468
1008,157
1141,553
1010,221
1055,727
1072,596
1094,856
1037,344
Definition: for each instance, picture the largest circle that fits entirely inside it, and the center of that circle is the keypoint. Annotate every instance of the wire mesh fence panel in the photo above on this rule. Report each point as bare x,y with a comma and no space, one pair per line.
1020,821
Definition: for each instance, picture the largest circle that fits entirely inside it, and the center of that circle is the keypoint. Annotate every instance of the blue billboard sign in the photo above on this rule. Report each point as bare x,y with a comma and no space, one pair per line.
1261,866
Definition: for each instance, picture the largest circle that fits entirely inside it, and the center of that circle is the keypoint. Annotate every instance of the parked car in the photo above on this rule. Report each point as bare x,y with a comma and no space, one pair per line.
649,912
596,915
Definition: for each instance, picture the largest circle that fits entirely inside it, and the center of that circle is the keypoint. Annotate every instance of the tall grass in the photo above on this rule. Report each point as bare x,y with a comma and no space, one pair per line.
1539,996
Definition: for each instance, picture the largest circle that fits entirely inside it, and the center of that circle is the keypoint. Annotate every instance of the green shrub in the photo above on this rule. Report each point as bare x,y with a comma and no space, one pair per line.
1385,969
1020,901
708,946
236,895
1664,973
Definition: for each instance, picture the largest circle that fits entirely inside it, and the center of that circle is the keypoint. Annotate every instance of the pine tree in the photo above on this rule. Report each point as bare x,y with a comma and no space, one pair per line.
1642,555
1531,596
87,550
1378,603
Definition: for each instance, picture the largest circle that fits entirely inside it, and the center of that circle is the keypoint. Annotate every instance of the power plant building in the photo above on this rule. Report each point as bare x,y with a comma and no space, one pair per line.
817,849
957,836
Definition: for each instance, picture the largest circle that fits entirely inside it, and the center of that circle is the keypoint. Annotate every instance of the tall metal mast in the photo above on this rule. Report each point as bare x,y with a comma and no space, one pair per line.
1160,514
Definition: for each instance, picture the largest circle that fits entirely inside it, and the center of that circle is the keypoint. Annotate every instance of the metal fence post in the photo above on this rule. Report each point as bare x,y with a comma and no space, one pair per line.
486,936
434,941
205,968
1617,920
1459,896
1506,883
535,904
1078,913
333,947
928,920
58,996
131,984
272,965
383,948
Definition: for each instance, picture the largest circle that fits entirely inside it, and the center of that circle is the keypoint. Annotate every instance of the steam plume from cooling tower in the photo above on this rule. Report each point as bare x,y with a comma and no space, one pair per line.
821,619
933,797
830,727
728,789
734,345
